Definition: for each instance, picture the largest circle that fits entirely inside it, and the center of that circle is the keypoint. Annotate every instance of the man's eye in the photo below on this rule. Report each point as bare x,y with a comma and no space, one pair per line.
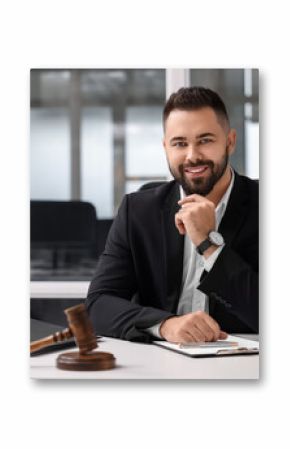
204,141
180,144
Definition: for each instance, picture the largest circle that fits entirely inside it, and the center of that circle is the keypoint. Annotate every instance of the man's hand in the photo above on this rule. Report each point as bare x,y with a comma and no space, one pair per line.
192,327
196,218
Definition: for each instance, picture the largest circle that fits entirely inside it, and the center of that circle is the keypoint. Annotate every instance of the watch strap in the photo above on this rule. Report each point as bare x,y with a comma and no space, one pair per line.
203,246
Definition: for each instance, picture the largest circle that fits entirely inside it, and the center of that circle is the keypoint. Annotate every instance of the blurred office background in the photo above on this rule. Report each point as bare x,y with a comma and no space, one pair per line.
96,135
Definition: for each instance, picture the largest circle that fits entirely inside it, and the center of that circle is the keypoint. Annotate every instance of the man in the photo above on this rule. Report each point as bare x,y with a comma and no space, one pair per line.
181,259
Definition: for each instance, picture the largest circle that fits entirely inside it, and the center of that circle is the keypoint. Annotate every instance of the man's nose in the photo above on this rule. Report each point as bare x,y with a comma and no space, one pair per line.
192,153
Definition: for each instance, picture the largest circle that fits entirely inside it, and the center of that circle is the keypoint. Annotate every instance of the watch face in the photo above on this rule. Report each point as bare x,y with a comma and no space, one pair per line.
216,238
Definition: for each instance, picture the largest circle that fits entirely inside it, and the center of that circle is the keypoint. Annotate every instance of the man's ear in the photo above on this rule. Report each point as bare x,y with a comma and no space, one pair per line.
231,141
163,143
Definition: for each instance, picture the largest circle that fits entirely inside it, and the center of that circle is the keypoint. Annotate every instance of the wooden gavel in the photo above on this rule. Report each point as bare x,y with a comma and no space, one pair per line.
79,327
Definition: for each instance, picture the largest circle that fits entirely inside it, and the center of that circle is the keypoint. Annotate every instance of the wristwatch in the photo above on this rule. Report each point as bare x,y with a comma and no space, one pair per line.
214,238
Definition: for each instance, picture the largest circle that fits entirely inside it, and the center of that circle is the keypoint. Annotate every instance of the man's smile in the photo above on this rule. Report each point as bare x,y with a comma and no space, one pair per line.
194,172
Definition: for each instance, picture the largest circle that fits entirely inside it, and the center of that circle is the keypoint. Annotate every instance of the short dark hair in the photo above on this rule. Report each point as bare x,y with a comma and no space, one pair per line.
193,98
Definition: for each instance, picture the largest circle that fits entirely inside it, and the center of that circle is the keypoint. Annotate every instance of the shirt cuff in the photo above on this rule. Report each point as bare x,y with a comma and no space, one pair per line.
210,261
154,330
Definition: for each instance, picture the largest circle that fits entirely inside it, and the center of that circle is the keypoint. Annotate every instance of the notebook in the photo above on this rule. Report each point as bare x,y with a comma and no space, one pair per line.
231,346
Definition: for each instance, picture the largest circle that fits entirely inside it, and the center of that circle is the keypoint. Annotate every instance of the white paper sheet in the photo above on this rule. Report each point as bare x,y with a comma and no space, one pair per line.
213,349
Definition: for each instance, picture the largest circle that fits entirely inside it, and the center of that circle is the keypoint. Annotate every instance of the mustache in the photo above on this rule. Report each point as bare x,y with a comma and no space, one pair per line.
197,163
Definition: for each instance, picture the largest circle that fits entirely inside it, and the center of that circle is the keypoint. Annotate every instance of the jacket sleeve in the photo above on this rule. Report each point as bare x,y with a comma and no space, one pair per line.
113,297
233,283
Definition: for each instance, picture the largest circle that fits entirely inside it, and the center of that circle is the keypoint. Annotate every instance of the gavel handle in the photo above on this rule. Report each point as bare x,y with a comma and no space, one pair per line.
66,334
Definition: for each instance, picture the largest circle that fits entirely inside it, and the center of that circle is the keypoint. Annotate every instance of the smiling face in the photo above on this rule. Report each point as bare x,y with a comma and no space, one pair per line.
198,144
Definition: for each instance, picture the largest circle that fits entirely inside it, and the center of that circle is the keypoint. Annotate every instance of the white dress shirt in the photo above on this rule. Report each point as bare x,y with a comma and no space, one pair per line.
191,299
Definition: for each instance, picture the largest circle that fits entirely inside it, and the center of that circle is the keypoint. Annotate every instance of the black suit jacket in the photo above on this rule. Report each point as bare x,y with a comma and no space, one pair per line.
138,278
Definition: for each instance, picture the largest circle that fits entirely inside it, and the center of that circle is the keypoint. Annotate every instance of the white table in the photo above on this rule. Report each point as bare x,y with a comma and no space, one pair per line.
144,361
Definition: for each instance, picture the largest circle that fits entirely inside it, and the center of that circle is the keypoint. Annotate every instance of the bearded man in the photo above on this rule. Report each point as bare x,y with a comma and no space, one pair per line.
181,259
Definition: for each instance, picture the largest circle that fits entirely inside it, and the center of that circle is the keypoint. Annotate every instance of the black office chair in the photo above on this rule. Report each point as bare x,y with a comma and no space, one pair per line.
65,225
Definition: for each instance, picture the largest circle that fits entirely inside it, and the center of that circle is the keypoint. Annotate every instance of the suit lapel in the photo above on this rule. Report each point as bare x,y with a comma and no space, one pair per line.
173,244
235,212
233,218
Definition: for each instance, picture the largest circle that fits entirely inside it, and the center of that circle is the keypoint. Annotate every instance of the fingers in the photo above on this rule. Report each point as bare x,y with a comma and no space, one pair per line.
195,218
213,325
223,335
203,326
179,224
186,337
192,327
196,334
207,332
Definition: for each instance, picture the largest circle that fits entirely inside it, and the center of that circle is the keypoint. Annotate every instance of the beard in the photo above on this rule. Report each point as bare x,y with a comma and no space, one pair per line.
201,185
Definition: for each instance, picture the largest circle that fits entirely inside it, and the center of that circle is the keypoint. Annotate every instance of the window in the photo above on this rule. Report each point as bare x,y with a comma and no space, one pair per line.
239,90
94,134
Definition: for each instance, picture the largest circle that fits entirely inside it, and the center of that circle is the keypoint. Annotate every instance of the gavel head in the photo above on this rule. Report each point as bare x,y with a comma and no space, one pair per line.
81,327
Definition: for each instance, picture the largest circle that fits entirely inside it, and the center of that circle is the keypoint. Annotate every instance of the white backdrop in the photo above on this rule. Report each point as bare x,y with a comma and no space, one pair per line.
138,34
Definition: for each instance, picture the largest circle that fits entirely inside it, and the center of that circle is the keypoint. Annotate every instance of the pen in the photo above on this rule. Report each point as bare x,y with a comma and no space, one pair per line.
239,351
208,344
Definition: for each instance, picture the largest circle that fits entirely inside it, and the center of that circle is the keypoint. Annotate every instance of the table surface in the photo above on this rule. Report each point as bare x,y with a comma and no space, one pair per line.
148,361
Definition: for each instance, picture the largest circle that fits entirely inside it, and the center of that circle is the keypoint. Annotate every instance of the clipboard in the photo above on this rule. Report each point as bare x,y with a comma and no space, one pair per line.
231,346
